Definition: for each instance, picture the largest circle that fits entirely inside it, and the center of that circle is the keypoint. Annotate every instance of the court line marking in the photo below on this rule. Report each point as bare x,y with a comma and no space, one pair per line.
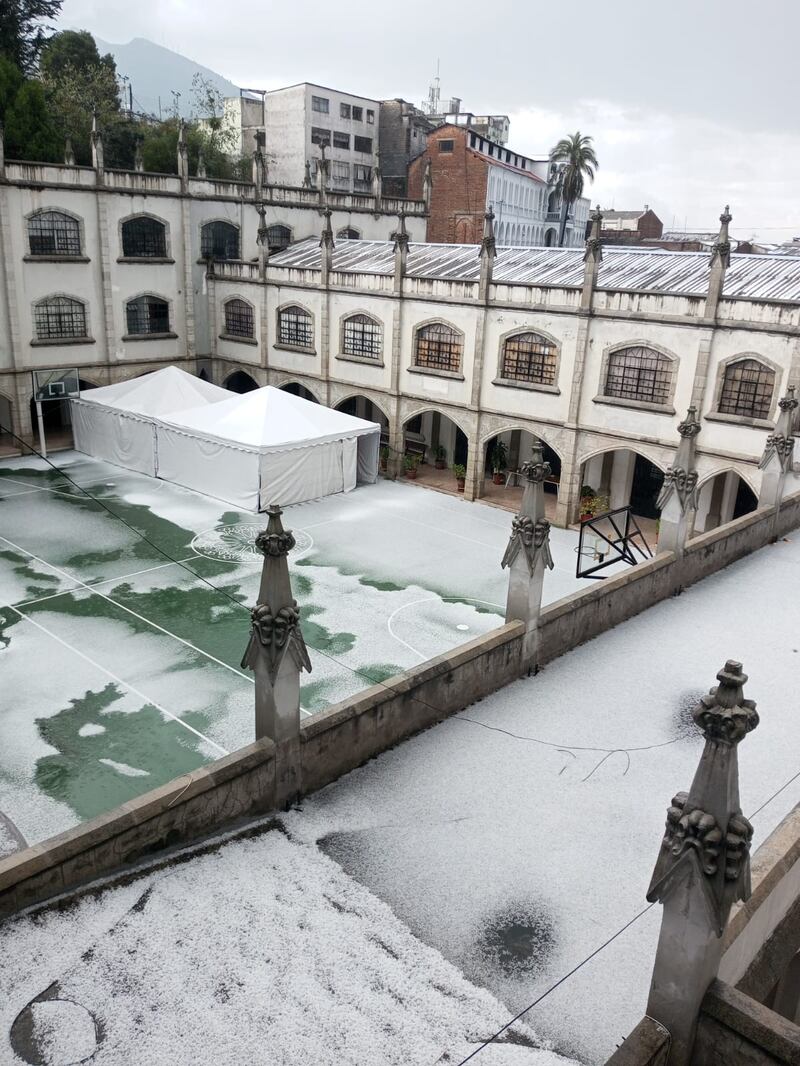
102,581
129,610
36,488
428,599
14,495
119,681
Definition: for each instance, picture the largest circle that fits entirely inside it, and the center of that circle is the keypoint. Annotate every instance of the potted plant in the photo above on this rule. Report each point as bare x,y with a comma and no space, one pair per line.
460,472
384,457
440,457
601,503
498,457
410,464
587,502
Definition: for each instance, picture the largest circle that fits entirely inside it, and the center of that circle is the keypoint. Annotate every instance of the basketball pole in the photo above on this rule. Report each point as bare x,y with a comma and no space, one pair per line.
40,420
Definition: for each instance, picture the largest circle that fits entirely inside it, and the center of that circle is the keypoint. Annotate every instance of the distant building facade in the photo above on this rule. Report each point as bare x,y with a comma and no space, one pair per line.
469,175
629,227
301,119
404,130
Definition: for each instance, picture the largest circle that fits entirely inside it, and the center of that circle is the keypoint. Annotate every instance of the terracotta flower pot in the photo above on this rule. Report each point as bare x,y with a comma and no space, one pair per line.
498,478
412,473
460,483
586,517
440,464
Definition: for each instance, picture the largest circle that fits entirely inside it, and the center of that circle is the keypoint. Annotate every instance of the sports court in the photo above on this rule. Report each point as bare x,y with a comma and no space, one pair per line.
121,670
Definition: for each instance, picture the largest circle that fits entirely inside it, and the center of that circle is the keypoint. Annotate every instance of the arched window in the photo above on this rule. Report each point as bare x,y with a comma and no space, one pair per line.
219,240
639,373
438,347
59,318
239,319
747,389
529,357
278,238
362,336
54,233
295,327
147,314
349,234
144,238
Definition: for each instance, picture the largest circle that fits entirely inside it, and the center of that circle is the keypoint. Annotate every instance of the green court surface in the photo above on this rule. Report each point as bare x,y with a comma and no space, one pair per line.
120,669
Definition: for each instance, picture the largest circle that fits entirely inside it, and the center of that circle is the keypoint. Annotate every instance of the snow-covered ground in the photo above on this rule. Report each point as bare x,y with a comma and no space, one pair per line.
519,835
261,953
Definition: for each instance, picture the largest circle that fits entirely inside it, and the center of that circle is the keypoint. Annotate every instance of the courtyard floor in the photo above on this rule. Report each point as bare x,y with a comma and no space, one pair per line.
121,670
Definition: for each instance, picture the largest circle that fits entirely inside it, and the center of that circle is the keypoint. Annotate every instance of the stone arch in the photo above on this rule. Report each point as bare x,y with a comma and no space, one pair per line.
6,415
550,237
356,394
720,498
510,427
294,384
628,476
240,381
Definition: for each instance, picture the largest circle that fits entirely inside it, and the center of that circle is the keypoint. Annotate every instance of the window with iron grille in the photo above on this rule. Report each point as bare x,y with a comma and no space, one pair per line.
362,144
320,104
144,238
59,318
320,136
639,373
747,389
239,319
147,314
341,140
219,240
529,357
446,146
370,117
349,234
438,347
344,110
294,327
53,233
358,114
362,336
278,238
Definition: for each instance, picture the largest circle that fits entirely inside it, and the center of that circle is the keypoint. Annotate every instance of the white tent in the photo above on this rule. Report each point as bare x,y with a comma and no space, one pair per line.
267,446
117,422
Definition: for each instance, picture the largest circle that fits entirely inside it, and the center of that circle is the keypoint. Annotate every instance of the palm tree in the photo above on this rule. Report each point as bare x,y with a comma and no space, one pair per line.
576,160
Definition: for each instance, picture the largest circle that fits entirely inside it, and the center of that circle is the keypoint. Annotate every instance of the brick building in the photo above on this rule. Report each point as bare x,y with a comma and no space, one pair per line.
470,174
631,227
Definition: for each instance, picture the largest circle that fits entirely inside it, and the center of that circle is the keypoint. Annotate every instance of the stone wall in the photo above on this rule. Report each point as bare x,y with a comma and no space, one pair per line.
735,1029
647,1045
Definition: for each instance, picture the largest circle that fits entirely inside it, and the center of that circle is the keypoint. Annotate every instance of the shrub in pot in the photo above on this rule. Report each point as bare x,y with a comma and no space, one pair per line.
384,453
460,472
440,457
410,464
498,459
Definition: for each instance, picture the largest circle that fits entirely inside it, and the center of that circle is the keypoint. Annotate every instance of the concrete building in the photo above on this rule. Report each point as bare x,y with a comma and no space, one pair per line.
598,355
245,116
106,270
629,227
404,131
492,127
302,118
470,175
693,241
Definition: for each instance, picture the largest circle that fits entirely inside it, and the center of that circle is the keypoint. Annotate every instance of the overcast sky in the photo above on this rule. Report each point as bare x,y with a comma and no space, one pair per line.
692,103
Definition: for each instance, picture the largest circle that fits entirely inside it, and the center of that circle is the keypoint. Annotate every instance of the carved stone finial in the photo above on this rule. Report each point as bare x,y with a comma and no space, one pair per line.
69,153
307,182
275,540
138,156
780,444
326,238
681,477
721,252
201,164
705,827
535,468
488,244
594,244
788,402
690,427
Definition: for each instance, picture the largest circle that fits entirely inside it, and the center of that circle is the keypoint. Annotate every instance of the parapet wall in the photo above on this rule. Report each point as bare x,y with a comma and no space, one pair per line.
361,727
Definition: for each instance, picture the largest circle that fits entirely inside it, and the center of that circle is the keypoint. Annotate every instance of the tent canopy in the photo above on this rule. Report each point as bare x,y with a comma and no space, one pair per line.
157,393
269,420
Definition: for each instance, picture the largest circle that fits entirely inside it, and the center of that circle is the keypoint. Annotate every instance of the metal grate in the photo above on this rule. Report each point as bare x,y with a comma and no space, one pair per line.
294,327
59,318
438,348
52,233
278,238
147,314
144,238
362,336
219,240
639,373
529,357
747,389
239,319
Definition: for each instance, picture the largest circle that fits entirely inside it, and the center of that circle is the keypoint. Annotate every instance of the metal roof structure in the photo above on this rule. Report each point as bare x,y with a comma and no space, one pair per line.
634,269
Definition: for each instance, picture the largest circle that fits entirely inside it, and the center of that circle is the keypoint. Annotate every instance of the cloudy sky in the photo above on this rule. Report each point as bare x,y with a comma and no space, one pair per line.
692,103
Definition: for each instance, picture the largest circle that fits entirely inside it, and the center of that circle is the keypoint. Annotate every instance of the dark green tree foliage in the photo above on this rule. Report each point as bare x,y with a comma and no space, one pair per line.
29,129
79,82
24,30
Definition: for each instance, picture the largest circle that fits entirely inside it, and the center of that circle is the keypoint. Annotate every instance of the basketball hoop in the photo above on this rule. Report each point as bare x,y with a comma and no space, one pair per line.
609,538
52,385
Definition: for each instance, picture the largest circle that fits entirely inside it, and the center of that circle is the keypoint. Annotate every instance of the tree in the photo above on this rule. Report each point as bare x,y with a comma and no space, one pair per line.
23,30
575,158
79,82
29,130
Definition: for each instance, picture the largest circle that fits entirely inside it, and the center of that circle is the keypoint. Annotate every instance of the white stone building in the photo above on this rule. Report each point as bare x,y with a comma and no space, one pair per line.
598,360
106,270
301,118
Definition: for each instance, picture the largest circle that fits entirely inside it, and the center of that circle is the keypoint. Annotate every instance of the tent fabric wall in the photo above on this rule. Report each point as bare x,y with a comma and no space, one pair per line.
209,466
126,440
307,473
369,447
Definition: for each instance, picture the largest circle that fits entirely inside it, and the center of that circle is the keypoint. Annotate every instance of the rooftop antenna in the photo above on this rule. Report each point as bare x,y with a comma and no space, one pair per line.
431,107
175,98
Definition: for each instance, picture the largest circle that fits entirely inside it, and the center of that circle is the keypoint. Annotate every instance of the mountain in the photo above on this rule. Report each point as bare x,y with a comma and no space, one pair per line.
155,72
